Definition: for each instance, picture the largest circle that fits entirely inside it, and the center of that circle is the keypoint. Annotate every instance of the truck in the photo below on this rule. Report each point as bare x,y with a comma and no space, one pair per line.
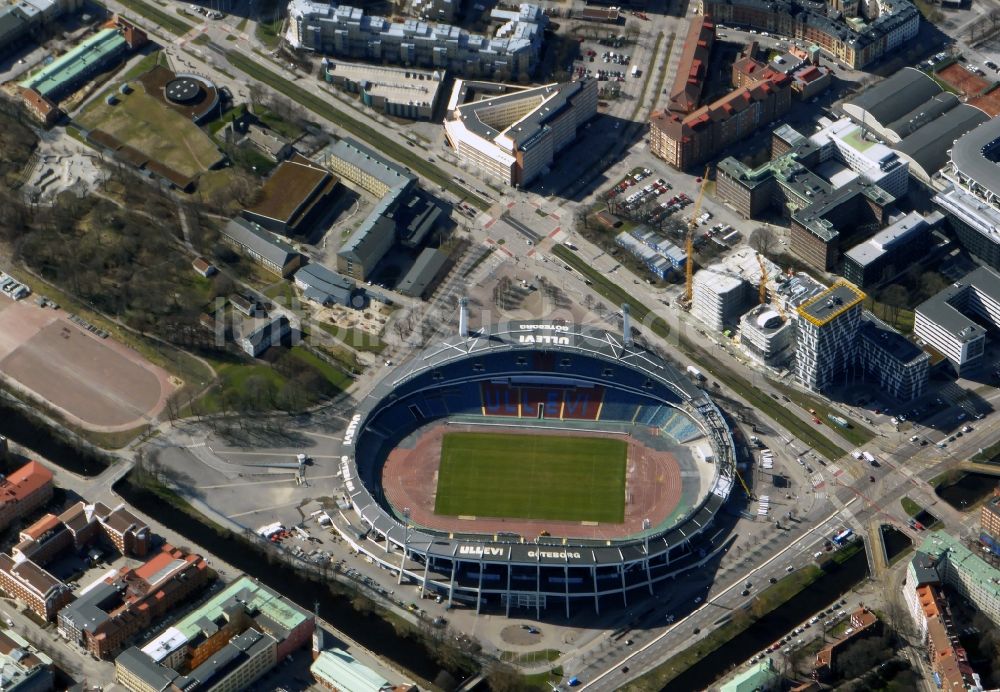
635,70
842,422
843,537
868,457
695,373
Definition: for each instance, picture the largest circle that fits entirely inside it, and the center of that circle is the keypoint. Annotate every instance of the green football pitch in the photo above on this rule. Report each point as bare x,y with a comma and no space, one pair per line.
532,477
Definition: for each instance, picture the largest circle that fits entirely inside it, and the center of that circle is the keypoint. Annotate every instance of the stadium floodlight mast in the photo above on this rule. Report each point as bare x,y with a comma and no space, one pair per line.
406,544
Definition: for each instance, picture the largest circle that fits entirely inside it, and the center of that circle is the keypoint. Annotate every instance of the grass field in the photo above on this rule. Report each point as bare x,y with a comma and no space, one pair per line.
532,477
157,131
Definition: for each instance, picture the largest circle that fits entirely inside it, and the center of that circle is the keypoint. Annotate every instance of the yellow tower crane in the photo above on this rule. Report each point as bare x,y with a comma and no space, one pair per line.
689,244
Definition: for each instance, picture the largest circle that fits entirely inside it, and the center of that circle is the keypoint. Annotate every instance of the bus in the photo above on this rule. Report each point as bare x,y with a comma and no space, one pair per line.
843,537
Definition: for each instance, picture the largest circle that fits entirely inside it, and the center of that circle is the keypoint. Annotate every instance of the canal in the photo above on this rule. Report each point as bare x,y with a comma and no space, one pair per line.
838,580
335,600
895,541
969,489
18,427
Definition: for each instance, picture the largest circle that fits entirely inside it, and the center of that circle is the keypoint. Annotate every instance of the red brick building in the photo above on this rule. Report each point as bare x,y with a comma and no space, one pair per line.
685,141
33,586
692,70
23,492
113,610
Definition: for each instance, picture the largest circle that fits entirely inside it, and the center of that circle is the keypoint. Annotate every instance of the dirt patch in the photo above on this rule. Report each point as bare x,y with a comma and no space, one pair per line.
96,382
959,78
409,478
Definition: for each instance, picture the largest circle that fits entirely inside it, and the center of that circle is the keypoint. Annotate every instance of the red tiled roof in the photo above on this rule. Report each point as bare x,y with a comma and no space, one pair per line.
692,68
25,482
41,527
154,565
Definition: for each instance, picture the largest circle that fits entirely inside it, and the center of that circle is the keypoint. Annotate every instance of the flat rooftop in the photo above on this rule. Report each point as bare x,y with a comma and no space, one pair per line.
832,302
903,230
974,155
891,341
293,184
940,545
396,85
972,211
940,310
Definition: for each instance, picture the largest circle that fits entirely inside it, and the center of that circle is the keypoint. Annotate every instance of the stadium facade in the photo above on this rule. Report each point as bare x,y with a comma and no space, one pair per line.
565,376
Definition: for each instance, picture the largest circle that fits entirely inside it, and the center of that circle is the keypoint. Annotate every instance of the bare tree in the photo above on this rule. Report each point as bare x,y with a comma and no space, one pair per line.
762,240
894,297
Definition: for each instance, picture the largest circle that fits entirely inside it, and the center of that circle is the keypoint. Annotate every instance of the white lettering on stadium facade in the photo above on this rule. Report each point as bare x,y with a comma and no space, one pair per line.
480,551
560,340
554,554
352,428
544,327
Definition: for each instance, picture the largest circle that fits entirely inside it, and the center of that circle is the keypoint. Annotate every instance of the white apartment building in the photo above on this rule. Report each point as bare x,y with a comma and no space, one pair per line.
945,320
766,335
874,163
513,134
718,297
396,91
347,31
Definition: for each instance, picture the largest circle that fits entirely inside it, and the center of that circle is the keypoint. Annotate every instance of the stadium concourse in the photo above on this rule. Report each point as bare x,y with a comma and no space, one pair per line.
538,378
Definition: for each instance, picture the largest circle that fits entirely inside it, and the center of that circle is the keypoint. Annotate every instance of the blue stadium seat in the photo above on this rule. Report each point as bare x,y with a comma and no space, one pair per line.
679,427
647,414
616,409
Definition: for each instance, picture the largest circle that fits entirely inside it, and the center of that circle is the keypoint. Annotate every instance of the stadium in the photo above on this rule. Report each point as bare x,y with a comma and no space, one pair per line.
534,465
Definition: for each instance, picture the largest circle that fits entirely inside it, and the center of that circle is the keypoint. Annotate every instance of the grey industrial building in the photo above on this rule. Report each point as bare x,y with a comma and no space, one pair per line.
392,184
255,336
260,246
945,321
348,32
402,92
326,287
422,275
898,366
822,216
914,115
891,251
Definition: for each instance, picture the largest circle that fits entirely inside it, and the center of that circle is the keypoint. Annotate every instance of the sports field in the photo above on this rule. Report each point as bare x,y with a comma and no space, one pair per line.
532,477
